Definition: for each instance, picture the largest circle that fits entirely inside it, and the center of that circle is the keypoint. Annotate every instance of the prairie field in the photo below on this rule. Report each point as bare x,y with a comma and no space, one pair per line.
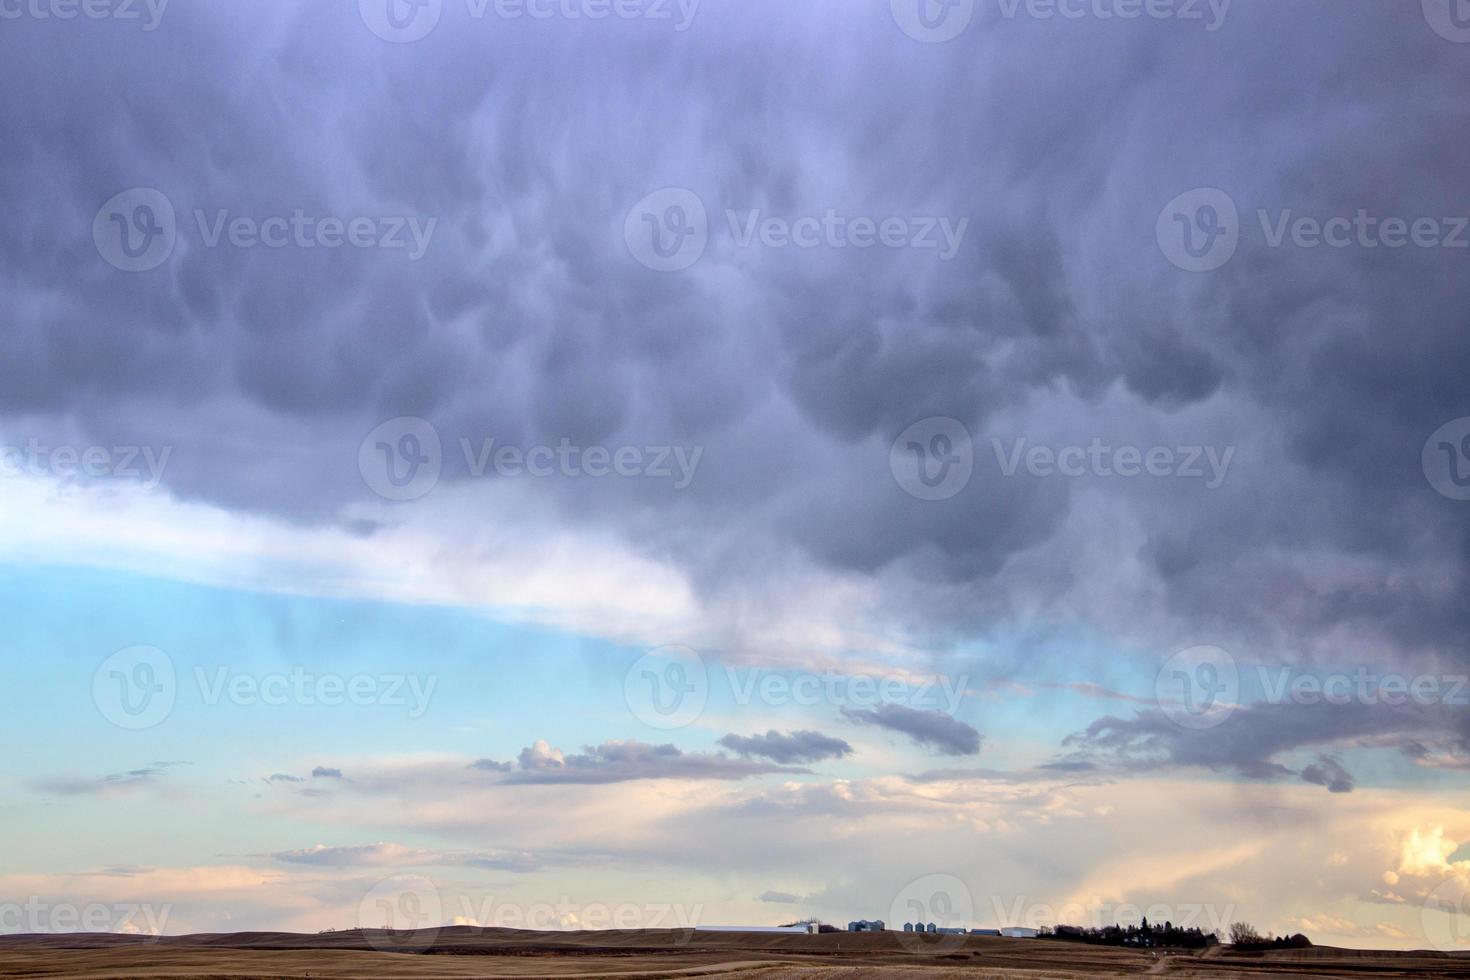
659,954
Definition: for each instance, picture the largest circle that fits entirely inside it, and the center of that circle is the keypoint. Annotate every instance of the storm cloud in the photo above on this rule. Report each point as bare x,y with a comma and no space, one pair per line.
525,317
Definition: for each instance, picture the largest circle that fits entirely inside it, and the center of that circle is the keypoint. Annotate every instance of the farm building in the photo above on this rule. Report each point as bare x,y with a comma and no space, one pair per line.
805,928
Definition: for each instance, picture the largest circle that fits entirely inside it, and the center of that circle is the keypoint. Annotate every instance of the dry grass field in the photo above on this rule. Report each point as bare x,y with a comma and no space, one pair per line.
658,954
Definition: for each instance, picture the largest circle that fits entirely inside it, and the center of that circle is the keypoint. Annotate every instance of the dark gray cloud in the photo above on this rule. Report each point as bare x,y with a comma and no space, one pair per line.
491,765
1258,741
1329,772
1057,319
325,772
931,729
788,748
778,898
624,761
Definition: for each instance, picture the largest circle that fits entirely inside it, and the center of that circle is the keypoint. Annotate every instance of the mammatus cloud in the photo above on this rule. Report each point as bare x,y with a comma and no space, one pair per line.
931,729
1057,320
792,747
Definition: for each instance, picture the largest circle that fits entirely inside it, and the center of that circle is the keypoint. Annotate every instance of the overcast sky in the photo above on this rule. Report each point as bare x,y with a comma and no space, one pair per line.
740,456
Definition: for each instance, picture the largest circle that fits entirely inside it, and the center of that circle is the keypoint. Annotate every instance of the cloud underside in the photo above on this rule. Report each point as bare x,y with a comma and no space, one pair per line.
617,761
929,729
527,321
